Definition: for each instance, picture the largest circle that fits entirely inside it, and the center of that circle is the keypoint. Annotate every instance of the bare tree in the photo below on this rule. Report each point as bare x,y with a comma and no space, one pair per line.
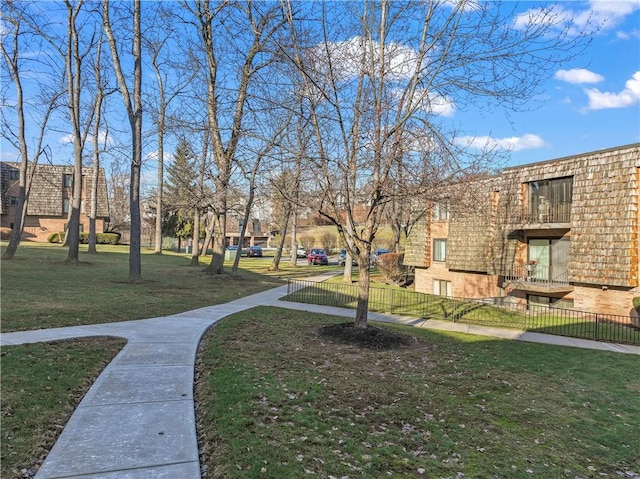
160,42
375,100
18,28
133,106
74,55
254,26
97,123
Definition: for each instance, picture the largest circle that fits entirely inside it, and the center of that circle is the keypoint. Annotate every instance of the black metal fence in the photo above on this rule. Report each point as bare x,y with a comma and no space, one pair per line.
494,312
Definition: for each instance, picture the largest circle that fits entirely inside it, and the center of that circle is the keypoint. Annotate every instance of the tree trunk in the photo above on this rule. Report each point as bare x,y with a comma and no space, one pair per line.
275,265
219,244
134,113
362,308
347,277
195,242
208,233
73,67
159,192
18,223
294,239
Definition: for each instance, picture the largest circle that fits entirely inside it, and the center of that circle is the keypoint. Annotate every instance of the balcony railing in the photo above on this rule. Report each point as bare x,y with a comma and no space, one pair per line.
537,275
545,213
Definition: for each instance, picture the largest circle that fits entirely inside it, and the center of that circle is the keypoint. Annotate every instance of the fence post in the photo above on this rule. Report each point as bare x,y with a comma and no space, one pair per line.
595,329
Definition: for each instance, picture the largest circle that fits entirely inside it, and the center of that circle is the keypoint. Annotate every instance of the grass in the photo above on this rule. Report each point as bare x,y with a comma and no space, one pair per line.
97,291
277,400
41,385
391,299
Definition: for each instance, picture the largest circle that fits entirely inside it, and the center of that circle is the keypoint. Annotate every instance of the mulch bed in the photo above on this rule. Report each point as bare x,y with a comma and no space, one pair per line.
371,337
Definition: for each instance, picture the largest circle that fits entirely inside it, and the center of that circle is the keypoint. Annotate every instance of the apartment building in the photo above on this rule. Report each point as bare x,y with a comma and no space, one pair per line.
50,199
563,233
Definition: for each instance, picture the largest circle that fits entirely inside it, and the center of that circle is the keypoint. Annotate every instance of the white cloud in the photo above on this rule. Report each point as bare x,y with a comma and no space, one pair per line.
153,156
103,139
633,34
629,96
66,139
578,75
515,143
598,16
467,6
440,105
346,58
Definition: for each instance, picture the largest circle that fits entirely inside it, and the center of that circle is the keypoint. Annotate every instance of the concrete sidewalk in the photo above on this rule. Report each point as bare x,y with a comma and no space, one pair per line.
137,420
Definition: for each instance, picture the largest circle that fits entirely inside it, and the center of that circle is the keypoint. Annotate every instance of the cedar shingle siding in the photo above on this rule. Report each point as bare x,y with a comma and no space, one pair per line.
600,220
45,210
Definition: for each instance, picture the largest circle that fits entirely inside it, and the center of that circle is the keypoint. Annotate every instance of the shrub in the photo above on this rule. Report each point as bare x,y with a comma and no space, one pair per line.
108,238
307,241
394,271
329,242
56,237
101,238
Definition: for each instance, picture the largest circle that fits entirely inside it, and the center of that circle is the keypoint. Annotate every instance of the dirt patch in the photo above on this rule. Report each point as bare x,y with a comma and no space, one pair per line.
370,337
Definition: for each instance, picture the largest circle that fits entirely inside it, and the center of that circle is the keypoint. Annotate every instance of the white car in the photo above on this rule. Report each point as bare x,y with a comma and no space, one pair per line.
301,252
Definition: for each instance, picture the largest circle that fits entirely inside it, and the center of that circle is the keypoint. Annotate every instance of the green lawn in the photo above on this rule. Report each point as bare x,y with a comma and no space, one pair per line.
41,385
277,400
40,291
391,299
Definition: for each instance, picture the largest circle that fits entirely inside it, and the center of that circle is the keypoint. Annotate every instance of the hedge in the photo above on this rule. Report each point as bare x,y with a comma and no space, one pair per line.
101,238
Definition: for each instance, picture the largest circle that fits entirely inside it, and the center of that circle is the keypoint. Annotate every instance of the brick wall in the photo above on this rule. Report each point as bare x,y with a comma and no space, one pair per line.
610,300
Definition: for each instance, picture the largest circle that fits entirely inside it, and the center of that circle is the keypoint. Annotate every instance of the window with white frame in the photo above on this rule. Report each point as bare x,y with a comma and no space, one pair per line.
442,287
439,250
441,211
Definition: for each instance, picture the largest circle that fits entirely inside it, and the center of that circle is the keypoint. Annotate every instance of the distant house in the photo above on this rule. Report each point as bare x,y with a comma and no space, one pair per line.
563,233
50,199
255,232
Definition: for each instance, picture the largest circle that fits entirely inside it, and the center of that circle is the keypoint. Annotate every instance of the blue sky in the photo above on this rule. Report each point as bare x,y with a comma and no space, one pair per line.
590,104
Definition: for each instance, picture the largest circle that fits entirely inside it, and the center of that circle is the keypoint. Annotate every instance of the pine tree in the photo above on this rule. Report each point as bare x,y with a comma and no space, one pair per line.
180,189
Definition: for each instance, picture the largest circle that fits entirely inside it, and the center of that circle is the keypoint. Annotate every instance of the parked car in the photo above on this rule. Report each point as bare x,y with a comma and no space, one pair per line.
376,254
255,251
317,256
301,252
342,258
233,247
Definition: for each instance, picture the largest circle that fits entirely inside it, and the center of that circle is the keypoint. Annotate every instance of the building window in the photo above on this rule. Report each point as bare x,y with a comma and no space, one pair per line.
441,287
548,259
560,303
14,175
13,201
549,201
65,205
439,250
67,180
441,211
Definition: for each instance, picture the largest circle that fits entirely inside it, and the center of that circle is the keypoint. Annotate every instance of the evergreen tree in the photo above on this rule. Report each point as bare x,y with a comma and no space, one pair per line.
180,189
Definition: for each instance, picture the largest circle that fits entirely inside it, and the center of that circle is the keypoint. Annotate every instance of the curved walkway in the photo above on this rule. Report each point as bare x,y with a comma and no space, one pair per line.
137,420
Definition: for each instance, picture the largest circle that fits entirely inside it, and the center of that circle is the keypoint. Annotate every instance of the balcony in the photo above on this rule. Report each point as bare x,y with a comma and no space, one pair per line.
537,278
544,216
